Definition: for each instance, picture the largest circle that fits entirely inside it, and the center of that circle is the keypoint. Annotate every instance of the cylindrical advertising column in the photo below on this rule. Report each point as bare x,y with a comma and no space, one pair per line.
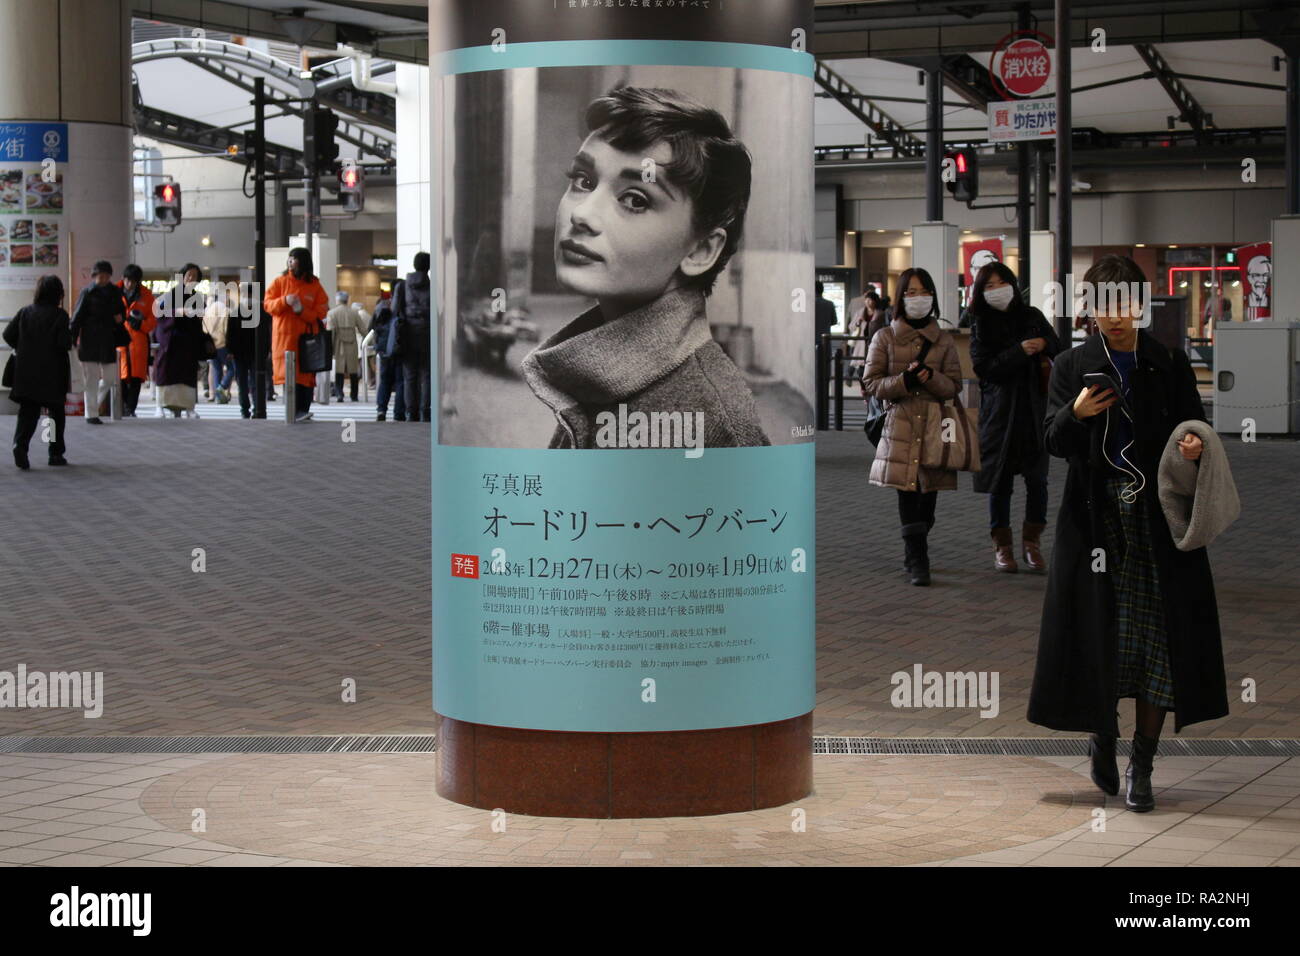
622,373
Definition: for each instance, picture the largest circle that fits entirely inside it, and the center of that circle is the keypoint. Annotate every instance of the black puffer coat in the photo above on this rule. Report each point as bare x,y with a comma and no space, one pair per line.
1012,403
40,338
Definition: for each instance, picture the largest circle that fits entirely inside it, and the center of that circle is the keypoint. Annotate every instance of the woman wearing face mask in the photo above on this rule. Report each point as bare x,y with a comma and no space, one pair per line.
912,366
1011,348
1126,613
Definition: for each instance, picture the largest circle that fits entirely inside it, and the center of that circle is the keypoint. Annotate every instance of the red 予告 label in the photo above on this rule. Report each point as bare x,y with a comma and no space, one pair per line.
464,565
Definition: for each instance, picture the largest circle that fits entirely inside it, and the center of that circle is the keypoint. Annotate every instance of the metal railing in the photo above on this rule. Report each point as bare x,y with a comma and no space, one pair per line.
833,359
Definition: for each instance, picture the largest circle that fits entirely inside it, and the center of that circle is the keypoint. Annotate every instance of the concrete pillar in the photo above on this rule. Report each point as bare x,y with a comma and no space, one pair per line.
414,223
65,91
627,667
934,249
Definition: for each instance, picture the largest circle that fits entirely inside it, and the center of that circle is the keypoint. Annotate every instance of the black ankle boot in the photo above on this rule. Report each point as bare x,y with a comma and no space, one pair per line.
1139,798
917,554
1105,771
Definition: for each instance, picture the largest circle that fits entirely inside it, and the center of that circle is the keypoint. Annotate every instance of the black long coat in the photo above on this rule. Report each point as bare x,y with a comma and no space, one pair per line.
1010,396
94,320
40,338
1075,680
179,334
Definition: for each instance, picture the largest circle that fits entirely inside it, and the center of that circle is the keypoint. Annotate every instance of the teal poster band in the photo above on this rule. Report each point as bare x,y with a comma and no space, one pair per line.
512,56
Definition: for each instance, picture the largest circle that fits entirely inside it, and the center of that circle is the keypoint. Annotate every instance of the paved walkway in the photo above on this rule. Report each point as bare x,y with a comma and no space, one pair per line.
317,569
364,809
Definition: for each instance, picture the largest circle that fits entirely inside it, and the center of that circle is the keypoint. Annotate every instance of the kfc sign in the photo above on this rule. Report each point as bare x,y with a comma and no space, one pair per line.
1021,65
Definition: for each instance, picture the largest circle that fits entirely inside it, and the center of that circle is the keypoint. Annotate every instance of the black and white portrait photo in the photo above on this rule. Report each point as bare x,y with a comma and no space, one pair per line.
626,271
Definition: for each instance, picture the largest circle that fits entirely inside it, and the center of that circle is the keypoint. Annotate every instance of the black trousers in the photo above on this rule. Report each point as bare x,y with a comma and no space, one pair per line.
418,399
244,379
131,394
29,416
302,398
915,507
338,384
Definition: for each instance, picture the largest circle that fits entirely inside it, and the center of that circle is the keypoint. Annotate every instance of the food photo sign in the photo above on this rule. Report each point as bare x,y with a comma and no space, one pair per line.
33,231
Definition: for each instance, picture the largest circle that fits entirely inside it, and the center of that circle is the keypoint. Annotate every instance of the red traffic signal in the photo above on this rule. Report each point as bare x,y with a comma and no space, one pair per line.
352,188
167,204
965,184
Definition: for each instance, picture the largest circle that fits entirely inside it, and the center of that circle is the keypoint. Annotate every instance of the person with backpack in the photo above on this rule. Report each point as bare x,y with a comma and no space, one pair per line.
391,380
411,305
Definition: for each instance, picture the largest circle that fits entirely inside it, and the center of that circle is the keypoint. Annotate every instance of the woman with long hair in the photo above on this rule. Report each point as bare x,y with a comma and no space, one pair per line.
1126,614
912,365
41,338
1011,349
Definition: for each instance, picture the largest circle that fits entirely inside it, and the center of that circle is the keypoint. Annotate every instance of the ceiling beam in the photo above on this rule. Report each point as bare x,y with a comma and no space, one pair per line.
881,124
1189,110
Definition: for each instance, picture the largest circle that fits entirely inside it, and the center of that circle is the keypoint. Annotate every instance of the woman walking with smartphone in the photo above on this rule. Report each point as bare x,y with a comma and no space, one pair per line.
1127,614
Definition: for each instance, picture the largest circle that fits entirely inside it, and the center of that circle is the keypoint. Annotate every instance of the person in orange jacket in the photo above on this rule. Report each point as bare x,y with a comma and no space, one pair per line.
297,303
133,359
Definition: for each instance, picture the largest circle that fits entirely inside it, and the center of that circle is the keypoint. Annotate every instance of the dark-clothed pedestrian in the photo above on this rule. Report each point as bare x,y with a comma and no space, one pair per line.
391,379
179,334
98,328
41,338
411,305
1011,348
912,366
1126,614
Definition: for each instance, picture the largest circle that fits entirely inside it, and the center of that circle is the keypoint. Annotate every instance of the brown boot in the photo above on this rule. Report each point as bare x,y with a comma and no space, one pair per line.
1033,558
1004,558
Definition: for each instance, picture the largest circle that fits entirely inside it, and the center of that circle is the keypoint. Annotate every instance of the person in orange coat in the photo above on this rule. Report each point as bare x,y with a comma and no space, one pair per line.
297,303
133,359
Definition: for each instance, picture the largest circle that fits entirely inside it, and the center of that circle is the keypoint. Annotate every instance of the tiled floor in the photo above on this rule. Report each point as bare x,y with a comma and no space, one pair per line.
340,809
317,569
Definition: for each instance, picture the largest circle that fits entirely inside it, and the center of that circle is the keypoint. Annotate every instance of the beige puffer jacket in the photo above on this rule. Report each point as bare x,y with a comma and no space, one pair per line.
893,348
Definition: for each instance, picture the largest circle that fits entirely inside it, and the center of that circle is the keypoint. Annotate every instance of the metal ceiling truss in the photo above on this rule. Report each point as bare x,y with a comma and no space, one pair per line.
192,134
239,64
365,140
1189,110
881,124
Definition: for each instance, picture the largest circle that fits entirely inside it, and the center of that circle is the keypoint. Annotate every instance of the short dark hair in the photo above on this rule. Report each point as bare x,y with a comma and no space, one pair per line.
709,163
820,287
133,272
421,262
103,265
49,291
872,296
905,280
187,267
303,255
1114,268
1003,272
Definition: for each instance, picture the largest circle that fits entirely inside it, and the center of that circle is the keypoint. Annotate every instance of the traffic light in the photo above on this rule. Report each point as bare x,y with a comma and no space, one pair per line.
352,188
965,184
167,204
325,152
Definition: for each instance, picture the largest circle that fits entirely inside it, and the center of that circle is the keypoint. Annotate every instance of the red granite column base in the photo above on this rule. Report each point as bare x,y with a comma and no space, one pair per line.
548,773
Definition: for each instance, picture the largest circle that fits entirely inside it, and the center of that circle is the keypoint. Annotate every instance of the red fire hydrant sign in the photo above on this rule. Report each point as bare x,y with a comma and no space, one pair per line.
1021,65
464,565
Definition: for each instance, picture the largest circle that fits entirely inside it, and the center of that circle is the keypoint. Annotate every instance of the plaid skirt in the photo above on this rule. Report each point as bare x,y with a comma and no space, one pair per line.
1139,608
